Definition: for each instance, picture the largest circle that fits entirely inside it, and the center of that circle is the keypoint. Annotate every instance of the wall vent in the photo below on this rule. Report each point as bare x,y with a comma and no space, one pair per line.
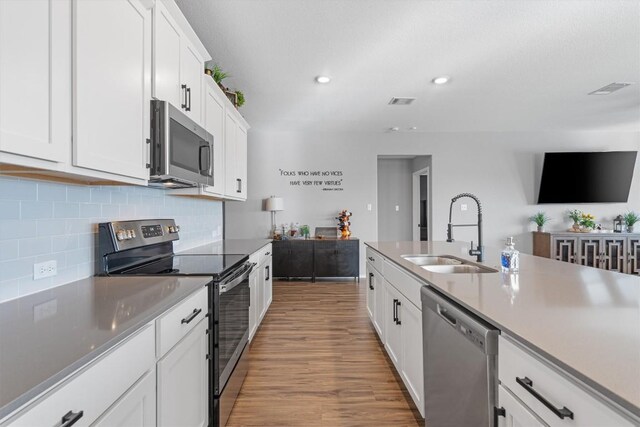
610,88
401,101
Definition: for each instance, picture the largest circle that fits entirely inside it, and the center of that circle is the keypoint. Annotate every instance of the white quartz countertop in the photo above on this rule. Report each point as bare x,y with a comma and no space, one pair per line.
584,319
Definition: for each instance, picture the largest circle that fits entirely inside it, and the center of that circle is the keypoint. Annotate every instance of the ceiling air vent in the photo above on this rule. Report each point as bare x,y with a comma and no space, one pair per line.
401,101
610,88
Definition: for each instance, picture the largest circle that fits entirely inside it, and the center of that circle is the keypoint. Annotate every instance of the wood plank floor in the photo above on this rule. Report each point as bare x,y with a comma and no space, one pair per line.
316,361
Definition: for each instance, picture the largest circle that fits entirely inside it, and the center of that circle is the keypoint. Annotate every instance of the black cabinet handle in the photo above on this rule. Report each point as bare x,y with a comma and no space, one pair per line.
189,96
395,315
370,281
192,316
527,384
70,418
239,181
398,321
184,95
268,273
371,259
267,253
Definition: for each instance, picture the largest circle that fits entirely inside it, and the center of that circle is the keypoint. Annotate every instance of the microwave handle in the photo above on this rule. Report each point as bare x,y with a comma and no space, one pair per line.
207,166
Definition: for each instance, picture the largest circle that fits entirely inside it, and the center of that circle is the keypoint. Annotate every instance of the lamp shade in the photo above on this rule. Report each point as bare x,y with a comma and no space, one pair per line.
275,204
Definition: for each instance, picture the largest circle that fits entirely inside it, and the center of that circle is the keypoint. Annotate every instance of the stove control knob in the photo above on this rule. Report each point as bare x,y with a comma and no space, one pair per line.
133,233
173,229
121,235
177,228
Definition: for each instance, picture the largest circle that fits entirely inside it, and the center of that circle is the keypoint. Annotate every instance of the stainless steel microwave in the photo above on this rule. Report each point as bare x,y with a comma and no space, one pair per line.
181,150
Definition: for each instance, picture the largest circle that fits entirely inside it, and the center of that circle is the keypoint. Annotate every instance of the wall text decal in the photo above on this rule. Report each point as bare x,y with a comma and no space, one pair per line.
325,180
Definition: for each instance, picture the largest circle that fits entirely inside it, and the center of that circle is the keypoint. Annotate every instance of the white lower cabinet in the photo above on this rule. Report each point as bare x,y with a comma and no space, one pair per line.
261,285
393,331
548,393
136,408
516,414
380,303
411,366
88,394
183,382
253,307
371,296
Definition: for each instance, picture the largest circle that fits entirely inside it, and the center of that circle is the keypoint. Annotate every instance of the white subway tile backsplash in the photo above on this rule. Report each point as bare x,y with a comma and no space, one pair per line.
17,229
9,209
90,210
51,227
41,221
35,246
100,195
66,210
8,249
17,189
78,194
36,210
51,192
64,243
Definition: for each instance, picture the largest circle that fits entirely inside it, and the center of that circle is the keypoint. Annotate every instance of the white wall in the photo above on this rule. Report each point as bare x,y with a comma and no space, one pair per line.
499,167
42,221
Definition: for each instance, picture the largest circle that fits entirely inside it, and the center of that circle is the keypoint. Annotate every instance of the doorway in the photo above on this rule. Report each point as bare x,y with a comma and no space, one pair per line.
421,205
404,197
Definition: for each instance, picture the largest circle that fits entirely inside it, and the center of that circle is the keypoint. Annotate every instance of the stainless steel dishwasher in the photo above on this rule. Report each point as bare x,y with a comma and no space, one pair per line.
460,364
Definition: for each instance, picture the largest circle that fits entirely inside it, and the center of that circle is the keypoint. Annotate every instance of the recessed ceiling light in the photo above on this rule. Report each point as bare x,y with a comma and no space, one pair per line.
394,129
323,79
413,128
441,80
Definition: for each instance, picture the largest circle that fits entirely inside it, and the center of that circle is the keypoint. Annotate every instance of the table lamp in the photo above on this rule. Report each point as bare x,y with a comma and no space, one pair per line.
274,204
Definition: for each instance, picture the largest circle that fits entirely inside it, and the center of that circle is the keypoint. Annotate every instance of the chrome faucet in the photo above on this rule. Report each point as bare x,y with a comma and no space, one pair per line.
479,250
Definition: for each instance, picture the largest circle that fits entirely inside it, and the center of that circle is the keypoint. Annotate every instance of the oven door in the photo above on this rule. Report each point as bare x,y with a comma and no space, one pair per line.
182,151
233,322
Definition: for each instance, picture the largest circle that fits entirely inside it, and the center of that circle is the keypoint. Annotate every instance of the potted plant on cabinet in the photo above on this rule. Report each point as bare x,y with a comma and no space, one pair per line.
575,215
540,219
630,218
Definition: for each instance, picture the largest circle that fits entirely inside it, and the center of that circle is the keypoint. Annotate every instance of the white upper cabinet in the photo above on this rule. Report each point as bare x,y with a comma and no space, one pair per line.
235,157
166,57
35,78
178,61
112,85
214,124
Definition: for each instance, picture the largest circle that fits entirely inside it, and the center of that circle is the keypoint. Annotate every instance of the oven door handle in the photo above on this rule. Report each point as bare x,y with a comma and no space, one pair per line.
227,286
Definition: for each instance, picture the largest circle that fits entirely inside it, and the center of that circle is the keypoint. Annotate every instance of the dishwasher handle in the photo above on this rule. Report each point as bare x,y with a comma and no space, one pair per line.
442,312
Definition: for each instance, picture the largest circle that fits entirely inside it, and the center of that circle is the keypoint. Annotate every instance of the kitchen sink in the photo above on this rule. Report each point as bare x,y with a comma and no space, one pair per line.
447,264
458,269
422,260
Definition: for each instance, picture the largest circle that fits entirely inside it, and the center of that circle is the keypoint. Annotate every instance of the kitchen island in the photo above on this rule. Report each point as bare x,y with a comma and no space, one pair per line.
584,320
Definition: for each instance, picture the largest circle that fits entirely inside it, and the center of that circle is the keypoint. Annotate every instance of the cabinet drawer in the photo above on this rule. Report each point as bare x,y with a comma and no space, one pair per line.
97,387
265,253
177,322
515,362
407,285
375,259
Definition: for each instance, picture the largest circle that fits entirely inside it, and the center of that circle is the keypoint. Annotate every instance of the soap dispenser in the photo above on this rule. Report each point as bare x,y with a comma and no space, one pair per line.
510,257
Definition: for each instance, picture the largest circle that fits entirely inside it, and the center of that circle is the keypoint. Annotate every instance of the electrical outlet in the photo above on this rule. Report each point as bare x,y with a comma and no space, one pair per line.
463,207
45,269
369,207
397,208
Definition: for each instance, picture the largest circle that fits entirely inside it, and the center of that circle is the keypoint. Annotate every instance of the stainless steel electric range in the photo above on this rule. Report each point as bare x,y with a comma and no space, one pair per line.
145,247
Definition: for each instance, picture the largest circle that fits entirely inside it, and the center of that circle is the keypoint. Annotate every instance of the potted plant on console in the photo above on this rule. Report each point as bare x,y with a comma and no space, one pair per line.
630,218
587,222
540,220
575,215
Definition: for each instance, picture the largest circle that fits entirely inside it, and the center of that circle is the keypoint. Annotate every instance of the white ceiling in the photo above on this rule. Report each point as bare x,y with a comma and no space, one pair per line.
514,65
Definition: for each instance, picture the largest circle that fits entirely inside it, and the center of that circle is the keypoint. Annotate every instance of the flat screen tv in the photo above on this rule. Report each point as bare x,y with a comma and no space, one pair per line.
587,177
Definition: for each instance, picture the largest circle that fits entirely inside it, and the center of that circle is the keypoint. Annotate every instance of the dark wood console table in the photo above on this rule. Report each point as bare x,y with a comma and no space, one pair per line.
314,258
